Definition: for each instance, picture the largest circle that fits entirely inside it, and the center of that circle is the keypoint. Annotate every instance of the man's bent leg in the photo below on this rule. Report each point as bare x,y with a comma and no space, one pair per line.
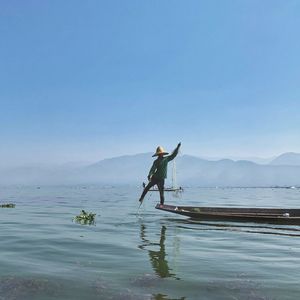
146,189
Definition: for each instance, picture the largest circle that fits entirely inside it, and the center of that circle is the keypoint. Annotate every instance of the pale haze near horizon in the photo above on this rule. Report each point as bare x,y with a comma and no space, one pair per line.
85,81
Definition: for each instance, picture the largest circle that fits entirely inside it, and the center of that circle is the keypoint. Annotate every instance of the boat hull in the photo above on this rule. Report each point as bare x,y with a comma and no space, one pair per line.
168,190
236,214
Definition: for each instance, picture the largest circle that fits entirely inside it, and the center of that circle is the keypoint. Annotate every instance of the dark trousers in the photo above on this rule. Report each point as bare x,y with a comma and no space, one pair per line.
160,184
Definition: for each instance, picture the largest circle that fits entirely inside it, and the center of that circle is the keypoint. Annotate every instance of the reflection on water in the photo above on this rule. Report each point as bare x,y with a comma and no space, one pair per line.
261,228
157,257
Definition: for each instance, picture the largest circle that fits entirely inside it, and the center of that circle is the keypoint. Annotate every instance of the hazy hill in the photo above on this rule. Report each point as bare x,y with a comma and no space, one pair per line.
191,171
123,169
195,171
289,159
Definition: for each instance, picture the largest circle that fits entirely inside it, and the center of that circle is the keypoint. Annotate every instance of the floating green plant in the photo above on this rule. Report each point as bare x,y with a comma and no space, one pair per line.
8,205
85,218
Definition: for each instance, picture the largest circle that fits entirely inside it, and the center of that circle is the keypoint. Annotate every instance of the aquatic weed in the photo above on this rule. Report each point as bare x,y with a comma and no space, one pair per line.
8,205
85,218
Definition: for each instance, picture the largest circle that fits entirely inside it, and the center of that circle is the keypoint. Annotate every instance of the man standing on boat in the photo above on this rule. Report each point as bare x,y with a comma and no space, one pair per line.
158,172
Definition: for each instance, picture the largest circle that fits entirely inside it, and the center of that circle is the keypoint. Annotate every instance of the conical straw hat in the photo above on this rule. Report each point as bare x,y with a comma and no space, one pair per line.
160,150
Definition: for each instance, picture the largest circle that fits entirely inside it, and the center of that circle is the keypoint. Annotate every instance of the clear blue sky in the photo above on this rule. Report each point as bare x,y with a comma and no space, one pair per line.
85,80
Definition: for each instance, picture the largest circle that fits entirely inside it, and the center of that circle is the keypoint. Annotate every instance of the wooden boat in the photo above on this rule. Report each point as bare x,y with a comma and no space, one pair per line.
237,214
167,189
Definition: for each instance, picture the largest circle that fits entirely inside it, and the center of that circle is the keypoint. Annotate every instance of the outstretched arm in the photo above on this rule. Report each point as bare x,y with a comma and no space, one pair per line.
174,153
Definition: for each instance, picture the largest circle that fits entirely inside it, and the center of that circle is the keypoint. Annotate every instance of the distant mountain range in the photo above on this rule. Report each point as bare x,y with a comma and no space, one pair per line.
287,159
283,170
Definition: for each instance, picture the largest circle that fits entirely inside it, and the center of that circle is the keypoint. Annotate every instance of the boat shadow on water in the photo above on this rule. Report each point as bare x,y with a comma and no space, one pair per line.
254,228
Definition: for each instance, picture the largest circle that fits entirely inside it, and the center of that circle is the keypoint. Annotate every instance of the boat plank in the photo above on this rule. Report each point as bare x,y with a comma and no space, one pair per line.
240,214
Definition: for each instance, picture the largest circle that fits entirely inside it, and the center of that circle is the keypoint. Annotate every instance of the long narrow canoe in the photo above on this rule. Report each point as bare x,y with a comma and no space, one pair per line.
167,189
237,214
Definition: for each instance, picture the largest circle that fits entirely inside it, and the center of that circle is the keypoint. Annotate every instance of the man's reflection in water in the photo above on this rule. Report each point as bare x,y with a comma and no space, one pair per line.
157,258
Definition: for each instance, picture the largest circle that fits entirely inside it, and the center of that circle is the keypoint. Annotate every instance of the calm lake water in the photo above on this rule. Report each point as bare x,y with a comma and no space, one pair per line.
148,254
